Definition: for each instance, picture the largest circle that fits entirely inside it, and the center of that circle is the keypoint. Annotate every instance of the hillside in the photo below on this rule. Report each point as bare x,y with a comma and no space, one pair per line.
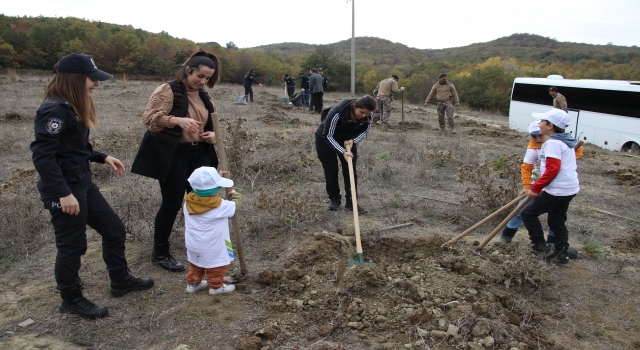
525,47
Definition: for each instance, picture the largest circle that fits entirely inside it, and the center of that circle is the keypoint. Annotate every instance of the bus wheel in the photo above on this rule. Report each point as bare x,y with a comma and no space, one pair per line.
631,147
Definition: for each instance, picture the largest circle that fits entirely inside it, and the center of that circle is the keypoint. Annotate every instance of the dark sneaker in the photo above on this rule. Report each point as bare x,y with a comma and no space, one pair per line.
335,204
561,259
349,206
541,251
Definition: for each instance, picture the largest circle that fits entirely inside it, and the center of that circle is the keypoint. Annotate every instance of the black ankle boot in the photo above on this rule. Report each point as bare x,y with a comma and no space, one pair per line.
122,283
335,204
162,256
74,303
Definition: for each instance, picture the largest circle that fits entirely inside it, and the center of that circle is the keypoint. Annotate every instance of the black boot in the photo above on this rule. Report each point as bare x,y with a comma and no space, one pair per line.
349,206
162,256
335,204
74,303
122,283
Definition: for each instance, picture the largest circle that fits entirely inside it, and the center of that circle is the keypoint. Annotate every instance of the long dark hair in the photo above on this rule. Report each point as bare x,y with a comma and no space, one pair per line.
71,87
202,58
367,102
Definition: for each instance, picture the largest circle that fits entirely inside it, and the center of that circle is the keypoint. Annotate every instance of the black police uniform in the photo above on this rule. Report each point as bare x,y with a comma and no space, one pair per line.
249,80
330,137
61,154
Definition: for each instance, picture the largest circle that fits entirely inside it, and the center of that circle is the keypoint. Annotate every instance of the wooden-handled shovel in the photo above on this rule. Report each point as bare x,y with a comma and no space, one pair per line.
354,201
224,166
503,224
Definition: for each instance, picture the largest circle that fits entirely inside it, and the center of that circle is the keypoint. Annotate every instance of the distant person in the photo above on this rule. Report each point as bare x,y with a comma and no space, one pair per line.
559,101
206,234
61,154
347,123
304,85
290,84
249,80
191,129
384,95
554,190
444,92
315,87
325,87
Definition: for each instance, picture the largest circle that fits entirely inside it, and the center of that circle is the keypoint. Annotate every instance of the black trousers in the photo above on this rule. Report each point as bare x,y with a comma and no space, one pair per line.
316,102
248,91
70,230
291,91
329,159
556,208
186,159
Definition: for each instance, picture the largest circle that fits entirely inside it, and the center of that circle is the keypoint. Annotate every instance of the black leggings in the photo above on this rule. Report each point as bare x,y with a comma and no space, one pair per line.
186,159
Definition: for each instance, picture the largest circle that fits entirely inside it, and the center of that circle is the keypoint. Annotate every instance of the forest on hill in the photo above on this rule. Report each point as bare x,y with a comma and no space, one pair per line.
483,72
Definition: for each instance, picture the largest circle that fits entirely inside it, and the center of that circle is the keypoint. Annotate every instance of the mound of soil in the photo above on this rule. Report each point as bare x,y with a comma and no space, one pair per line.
416,292
13,117
626,177
492,133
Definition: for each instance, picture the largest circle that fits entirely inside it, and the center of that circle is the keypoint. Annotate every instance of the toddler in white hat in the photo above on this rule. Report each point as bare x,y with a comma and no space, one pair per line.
206,234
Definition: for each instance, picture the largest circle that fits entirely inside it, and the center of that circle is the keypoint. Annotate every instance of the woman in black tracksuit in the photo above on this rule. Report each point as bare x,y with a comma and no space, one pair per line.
347,123
61,153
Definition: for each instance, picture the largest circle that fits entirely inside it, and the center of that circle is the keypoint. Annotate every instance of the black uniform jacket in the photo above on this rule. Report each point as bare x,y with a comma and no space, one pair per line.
338,127
61,147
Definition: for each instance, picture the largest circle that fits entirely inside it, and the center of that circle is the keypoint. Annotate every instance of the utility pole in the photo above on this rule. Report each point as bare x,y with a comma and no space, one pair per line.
353,47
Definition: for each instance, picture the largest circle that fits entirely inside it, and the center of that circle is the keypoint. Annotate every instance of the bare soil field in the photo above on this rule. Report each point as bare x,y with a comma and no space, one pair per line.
300,292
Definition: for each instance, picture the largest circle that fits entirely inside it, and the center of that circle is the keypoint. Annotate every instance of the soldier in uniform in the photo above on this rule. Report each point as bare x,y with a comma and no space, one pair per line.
444,92
384,95
559,101
61,154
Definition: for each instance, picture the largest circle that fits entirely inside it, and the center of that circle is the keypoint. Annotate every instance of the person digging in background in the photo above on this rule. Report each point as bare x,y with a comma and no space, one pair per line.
384,95
249,80
555,188
181,110
530,171
206,234
348,122
444,92
61,154
290,84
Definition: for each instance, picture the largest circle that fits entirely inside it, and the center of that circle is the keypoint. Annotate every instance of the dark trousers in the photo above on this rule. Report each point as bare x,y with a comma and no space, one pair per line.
316,102
329,159
186,159
556,208
248,91
70,230
291,90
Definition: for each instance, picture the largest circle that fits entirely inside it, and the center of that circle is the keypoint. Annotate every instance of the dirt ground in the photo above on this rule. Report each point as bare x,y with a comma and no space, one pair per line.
300,291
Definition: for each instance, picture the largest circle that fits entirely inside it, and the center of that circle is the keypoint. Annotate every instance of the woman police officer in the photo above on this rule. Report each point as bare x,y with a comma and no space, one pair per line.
61,154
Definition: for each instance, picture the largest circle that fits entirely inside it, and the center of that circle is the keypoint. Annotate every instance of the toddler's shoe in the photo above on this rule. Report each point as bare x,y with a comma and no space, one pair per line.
192,289
226,288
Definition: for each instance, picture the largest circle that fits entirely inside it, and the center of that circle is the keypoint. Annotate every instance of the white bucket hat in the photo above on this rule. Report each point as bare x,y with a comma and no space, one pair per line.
207,178
555,116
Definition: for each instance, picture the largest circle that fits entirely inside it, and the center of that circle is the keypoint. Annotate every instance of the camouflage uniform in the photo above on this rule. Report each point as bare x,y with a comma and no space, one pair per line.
444,93
384,95
385,107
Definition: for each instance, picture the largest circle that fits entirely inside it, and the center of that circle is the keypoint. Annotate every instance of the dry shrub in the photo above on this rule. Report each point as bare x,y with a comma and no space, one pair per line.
521,270
489,187
24,221
238,144
287,206
12,74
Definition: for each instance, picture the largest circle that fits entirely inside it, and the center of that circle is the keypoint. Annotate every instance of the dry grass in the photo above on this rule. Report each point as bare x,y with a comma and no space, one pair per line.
272,158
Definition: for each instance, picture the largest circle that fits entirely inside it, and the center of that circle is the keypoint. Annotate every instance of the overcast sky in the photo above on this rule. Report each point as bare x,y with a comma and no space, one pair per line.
421,24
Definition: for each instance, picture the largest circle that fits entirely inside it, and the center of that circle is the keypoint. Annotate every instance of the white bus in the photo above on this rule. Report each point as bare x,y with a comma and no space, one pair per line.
605,113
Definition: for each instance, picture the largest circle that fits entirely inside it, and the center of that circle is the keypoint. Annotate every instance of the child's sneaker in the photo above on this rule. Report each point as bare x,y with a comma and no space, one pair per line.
561,259
542,251
192,289
226,288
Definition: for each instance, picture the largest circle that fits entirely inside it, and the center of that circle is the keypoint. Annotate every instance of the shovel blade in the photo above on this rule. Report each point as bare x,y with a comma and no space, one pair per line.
360,261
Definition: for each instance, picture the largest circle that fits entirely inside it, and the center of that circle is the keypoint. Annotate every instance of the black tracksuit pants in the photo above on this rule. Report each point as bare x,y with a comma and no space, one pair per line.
70,230
329,159
186,159
556,208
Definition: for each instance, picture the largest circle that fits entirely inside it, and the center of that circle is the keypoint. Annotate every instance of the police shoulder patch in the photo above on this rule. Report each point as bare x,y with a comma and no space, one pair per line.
54,126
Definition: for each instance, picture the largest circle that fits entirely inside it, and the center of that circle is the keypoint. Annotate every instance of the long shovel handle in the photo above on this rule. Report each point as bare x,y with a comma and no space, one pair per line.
354,201
503,223
483,221
224,166
402,93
